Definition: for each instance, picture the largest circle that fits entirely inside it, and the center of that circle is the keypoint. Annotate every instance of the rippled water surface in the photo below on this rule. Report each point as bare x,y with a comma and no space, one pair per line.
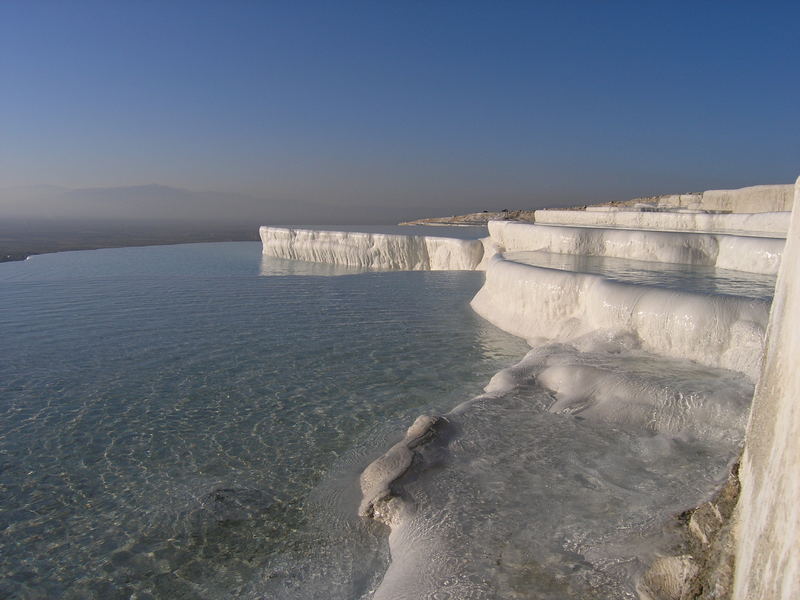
189,421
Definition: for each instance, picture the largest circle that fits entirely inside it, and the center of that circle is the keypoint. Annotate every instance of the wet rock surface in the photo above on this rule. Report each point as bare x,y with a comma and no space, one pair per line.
702,567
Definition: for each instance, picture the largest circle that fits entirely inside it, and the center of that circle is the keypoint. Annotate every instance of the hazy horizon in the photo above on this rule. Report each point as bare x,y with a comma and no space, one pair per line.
362,113
155,202
160,202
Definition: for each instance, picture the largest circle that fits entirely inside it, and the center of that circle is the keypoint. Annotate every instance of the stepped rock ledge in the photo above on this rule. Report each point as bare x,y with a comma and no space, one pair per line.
743,543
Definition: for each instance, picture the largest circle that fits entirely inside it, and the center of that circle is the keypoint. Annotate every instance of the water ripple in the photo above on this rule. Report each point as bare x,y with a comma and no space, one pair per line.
167,414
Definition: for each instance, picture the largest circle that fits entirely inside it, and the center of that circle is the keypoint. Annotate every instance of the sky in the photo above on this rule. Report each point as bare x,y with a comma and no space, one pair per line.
389,110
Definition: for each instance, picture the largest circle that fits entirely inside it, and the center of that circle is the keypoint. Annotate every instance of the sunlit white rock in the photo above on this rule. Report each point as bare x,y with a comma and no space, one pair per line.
768,531
768,224
538,303
372,250
752,199
743,253
756,198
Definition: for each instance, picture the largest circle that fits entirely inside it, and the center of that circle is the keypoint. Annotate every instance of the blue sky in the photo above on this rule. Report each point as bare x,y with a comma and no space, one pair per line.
440,104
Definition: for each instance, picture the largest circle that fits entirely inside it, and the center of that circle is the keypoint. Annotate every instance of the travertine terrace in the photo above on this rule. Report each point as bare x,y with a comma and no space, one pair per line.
749,231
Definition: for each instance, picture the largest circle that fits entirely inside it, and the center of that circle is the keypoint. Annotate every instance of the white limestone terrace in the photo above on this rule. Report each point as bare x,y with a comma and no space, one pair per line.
753,199
741,253
570,319
766,224
767,520
697,278
540,304
373,250
761,210
401,252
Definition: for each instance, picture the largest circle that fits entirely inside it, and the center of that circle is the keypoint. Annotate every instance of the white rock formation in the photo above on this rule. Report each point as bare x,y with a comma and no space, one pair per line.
408,252
543,304
753,199
766,224
373,250
756,198
768,531
752,254
377,478
538,303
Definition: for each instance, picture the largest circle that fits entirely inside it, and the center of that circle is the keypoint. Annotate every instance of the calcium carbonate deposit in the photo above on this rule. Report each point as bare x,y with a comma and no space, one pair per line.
563,479
373,250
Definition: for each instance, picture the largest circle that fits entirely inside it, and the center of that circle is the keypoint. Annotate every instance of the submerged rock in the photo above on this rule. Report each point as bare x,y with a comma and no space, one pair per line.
667,577
704,569
229,505
378,500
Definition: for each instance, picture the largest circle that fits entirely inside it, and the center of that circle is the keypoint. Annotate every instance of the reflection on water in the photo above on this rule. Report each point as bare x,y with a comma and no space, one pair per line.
272,267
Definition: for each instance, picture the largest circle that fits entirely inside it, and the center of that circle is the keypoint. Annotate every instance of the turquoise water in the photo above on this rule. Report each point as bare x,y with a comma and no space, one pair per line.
190,421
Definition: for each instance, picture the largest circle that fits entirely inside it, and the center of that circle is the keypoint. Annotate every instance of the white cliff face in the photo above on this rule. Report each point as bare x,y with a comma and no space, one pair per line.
372,250
767,224
751,254
752,199
410,252
768,529
756,198
448,254
546,304
490,248
743,253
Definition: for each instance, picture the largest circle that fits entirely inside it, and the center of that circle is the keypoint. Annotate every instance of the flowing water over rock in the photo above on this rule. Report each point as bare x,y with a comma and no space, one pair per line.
560,481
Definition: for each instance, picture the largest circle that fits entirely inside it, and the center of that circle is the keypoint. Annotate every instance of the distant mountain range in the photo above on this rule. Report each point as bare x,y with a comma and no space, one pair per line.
154,202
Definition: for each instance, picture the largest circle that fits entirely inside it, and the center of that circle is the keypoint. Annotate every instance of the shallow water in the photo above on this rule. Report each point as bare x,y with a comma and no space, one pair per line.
176,424
697,278
191,421
567,483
